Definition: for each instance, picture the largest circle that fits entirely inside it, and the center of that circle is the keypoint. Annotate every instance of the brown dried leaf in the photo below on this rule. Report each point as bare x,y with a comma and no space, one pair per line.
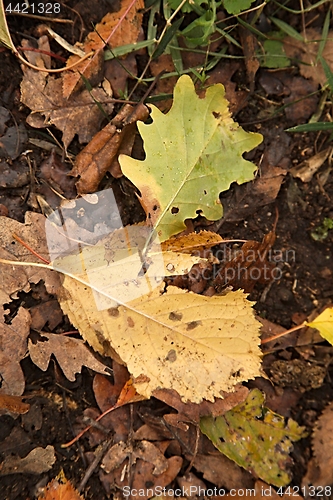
193,411
249,266
32,232
37,461
221,471
13,347
77,115
143,450
92,69
12,405
126,33
110,30
100,155
320,468
306,170
306,53
71,354
249,44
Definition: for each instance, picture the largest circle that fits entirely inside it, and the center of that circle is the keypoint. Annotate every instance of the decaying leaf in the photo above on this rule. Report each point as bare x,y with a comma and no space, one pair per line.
255,438
320,467
324,323
37,461
71,354
192,154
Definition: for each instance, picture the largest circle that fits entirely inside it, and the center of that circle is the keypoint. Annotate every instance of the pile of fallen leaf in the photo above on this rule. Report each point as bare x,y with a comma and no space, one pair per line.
146,295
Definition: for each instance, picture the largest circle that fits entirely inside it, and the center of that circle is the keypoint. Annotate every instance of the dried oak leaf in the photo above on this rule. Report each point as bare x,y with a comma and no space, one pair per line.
32,232
77,115
13,347
71,354
320,467
13,334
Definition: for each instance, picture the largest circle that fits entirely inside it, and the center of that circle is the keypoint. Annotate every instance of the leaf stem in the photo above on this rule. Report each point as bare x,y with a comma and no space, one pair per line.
298,327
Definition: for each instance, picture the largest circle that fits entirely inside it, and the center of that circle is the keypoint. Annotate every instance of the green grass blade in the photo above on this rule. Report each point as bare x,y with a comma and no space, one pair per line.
168,36
328,73
312,127
127,49
324,35
287,29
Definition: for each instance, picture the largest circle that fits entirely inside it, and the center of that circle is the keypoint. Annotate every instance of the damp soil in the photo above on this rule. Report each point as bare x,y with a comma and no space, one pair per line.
303,286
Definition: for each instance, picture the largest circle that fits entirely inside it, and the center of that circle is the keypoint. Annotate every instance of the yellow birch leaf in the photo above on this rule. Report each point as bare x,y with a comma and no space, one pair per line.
196,345
324,324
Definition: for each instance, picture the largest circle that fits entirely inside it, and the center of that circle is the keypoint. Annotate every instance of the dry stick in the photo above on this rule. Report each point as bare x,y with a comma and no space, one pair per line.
99,456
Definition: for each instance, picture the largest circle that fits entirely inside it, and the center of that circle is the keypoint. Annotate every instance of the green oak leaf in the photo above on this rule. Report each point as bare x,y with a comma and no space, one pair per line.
192,154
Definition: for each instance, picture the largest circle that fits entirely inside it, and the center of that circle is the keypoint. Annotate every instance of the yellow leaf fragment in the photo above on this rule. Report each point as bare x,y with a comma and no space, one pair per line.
324,324
193,242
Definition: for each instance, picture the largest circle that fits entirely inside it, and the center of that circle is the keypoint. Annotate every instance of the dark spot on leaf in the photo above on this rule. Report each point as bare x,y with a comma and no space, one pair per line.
216,115
155,207
198,212
174,210
205,192
130,322
192,325
236,374
113,311
172,356
174,316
